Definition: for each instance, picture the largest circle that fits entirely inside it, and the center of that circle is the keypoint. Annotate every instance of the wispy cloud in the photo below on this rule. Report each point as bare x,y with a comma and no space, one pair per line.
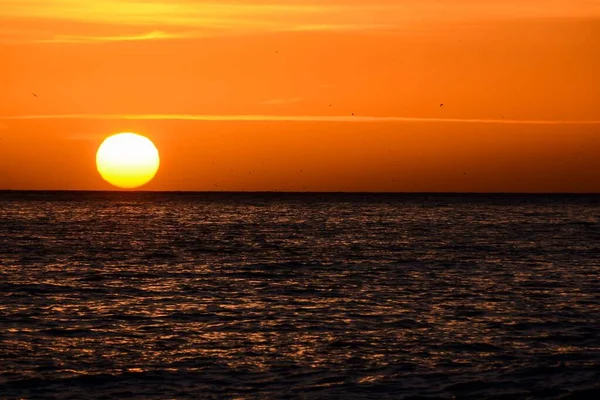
342,27
154,35
193,12
135,12
283,100
292,118
76,20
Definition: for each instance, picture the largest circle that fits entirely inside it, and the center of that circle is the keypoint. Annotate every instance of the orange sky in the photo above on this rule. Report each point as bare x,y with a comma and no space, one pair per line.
259,95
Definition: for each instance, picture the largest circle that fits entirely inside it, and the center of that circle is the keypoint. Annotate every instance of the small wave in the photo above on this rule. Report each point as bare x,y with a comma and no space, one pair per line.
66,332
472,347
583,394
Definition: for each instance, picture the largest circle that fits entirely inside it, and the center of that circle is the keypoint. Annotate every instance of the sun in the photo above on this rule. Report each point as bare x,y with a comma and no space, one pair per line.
127,160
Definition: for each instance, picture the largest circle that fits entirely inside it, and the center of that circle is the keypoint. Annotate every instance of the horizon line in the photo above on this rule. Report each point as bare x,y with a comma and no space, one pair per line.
134,191
292,118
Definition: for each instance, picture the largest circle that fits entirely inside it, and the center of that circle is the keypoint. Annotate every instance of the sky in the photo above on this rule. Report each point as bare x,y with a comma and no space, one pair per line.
305,95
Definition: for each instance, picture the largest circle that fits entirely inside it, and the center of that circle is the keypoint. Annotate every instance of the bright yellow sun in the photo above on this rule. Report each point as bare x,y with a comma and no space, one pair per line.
127,160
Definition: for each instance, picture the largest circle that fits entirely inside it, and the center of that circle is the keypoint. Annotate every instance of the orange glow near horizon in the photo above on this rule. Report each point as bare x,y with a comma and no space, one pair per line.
332,95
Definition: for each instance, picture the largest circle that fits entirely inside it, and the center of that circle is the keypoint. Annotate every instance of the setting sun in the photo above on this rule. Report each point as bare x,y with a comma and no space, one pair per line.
127,160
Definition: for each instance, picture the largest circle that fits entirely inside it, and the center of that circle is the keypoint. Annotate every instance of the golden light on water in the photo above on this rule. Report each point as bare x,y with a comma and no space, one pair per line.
127,160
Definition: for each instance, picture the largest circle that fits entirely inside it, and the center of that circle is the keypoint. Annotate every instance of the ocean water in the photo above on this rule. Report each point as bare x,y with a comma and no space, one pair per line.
299,296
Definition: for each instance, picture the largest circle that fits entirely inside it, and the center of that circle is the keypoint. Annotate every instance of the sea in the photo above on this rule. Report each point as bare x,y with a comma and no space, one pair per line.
141,295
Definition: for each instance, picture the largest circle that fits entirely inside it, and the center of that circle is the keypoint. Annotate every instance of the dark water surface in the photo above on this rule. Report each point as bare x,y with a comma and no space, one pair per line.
243,296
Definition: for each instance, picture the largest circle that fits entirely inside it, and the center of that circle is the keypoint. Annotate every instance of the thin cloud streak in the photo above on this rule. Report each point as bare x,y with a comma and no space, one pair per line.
342,28
252,17
17,37
185,12
161,13
284,100
154,35
82,39
291,118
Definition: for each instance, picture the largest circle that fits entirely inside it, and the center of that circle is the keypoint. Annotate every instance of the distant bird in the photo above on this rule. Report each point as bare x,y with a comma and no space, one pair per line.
277,51
34,94
352,113
330,105
442,105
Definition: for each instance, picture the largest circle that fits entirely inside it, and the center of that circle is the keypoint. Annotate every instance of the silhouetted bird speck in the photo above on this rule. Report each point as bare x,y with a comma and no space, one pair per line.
442,105
34,94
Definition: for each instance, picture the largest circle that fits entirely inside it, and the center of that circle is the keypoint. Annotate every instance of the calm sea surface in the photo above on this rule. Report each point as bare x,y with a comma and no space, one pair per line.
244,296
